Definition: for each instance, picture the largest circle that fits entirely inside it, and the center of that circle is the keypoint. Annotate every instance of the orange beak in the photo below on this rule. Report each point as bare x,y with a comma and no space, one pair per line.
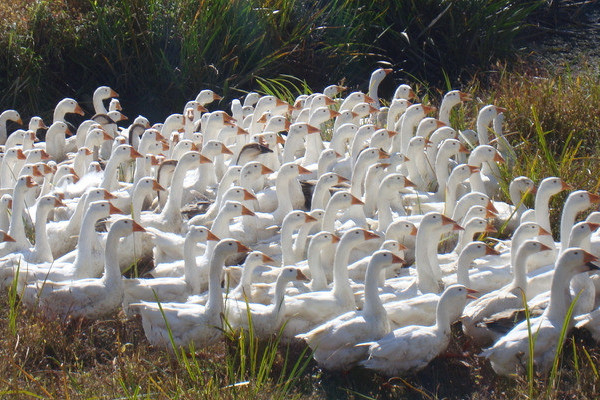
414,231
408,183
114,210
212,236
490,207
370,235
134,153
397,260
593,226
473,169
78,110
355,201
205,160
267,259
462,148
312,129
429,109
369,99
247,211
544,247
465,96
498,158
156,186
8,238
21,155
106,136
242,249
300,276
108,195
335,239
341,179
137,227
587,257
490,229
491,252
248,195
439,124
30,182
58,203
309,218
383,154
594,198
500,109
333,114
264,170
225,150
303,171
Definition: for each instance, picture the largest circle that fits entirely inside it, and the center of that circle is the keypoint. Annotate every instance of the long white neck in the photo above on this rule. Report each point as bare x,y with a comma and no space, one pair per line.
42,246
567,220
109,181
17,229
384,210
141,169
462,268
283,185
87,235
300,241
441,171
373,305
172,207
560,295
112,271
278,308
318,278
520,269
220,226
190,268
287,241
341,284
426,282
320,195
214,305
75,220
542,211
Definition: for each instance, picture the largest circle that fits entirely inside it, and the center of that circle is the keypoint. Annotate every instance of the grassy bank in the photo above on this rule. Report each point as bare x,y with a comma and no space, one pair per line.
159,53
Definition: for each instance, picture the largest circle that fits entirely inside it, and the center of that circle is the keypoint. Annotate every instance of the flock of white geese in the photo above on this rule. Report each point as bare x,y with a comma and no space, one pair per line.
362,246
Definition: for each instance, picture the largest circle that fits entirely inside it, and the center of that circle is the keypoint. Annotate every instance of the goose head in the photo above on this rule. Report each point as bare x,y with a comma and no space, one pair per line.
200,234
484,154
322,114
213,148
574,261
102,209
294,219
404,92
361,110
343,199
400,229
434,220
6,201
333,90
580,234
114,105
455,97
428,125
207,96
258,258
11,115
551,186
238,193
124,152
354,236
67,106
477,249
277,123
192,159
382,139
125,227
291,170
235,209
253,170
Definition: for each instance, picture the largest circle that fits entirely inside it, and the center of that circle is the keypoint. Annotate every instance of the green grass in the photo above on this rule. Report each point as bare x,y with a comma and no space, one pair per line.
158,53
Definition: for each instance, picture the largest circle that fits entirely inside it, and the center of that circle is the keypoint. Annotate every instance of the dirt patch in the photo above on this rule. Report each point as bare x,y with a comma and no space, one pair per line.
569,37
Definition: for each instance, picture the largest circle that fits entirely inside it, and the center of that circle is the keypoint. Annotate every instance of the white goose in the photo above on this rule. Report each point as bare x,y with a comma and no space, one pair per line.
333,342
90,298
510,354
191,323
411,348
